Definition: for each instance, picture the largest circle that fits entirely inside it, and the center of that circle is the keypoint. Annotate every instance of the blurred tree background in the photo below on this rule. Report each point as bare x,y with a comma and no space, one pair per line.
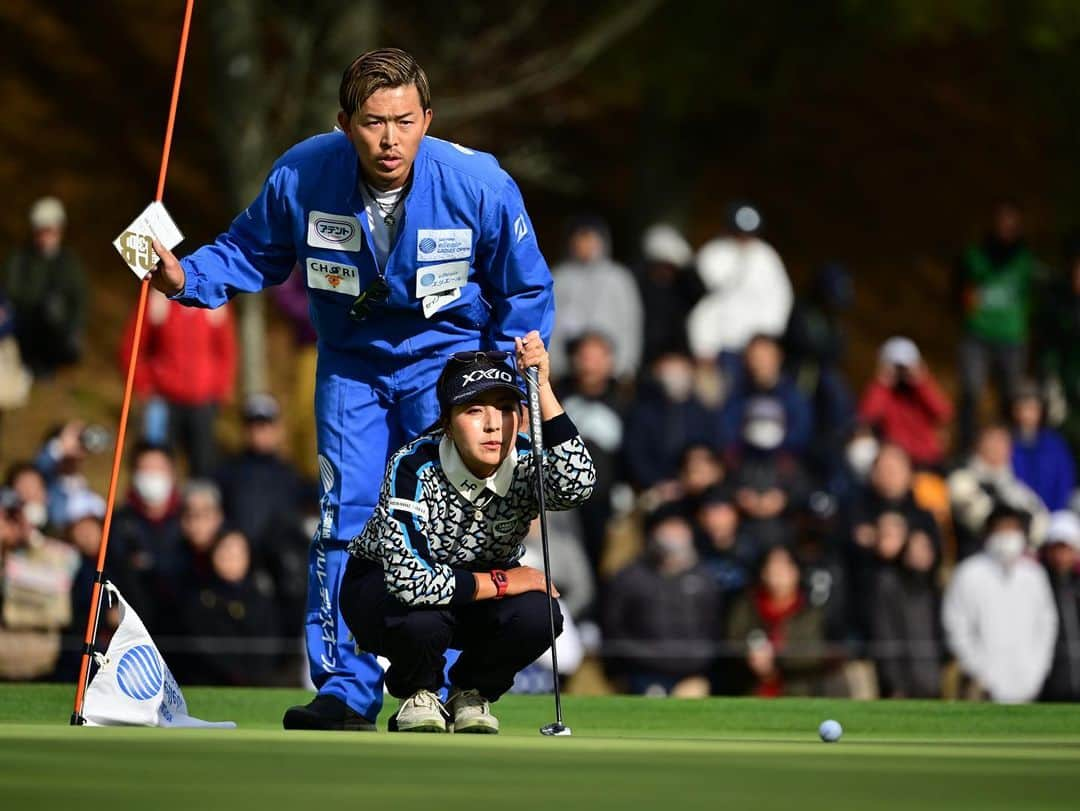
875,132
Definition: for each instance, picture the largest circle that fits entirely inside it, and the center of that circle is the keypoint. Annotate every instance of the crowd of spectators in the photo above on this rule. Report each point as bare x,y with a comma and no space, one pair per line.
761,523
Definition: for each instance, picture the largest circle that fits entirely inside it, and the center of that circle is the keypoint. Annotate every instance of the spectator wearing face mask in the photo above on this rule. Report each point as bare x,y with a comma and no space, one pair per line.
1061,556
999,614
30,486
35,593
146,529
906,405
768,481
661,614
988,479
1040,455
666,418
853,471
761,375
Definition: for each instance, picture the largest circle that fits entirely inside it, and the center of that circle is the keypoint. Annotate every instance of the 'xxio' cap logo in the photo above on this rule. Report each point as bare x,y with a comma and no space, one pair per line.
139,674
334,230
486,374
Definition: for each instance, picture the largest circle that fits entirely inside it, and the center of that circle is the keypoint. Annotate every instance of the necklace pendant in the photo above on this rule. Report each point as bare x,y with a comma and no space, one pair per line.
389,219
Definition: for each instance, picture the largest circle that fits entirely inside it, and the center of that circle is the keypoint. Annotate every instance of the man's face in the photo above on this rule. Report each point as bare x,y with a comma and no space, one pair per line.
995,448
264,436
763,361
1007,224
891,474
48,240
1061,557
1027,412
484,431
593,361
386,132
586,245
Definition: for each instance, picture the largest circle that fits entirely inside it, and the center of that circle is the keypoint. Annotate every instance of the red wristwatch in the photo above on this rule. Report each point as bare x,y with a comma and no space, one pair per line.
501,581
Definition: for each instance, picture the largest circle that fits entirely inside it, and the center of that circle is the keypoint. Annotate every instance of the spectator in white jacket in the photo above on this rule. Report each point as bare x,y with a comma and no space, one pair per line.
988,479
748,290
999,613
594,293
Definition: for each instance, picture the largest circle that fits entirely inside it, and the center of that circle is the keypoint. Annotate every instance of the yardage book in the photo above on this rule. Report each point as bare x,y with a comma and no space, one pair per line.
134,245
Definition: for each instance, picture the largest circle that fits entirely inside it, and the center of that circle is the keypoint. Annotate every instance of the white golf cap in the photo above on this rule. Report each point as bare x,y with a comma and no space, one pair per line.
663,243
48,212
84,504
1064,528
899,351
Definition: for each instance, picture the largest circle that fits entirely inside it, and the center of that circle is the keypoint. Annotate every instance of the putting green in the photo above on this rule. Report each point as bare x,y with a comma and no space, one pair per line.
625,753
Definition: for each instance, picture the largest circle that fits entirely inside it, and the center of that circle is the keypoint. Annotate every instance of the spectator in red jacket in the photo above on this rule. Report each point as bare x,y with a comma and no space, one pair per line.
187,361
905,405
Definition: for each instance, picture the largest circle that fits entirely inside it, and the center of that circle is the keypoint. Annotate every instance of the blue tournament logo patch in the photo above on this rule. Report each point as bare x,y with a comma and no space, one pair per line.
139,673
427,245
427,279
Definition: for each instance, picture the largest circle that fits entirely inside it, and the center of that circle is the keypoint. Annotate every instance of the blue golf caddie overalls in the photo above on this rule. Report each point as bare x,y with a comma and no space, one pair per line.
464,272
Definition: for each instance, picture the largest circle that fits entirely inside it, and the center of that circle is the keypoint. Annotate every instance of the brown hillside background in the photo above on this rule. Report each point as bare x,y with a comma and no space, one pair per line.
887,159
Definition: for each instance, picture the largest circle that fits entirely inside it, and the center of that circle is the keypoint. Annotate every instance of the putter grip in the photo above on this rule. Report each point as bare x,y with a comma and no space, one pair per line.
532,380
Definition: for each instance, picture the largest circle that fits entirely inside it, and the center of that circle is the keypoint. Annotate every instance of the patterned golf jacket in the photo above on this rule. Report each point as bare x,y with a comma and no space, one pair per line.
436,523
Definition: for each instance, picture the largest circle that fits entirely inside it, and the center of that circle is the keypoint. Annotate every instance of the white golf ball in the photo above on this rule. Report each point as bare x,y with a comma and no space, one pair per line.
830,731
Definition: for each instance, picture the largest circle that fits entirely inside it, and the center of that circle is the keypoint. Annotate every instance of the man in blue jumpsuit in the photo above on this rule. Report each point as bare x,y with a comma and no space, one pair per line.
413,248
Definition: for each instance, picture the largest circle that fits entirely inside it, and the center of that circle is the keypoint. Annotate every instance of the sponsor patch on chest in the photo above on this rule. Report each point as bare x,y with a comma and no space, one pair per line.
433,279
434,244
335,231
333,276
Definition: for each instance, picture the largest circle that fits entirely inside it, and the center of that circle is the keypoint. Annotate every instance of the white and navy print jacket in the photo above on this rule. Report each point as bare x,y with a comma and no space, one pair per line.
436,523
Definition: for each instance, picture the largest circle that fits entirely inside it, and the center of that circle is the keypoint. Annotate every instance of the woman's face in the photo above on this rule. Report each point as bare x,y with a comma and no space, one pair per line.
485,430
780,575
231,558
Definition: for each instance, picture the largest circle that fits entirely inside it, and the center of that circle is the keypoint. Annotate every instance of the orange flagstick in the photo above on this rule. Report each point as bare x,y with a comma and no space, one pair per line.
118,452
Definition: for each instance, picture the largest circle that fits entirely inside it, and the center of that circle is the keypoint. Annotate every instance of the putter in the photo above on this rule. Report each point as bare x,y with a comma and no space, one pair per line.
532,380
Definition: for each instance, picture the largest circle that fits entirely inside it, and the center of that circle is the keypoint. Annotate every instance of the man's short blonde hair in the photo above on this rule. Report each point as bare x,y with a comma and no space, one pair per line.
375,70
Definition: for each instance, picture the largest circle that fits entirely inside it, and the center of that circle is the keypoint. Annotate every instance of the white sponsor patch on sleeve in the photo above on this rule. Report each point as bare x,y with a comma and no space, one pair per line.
338,232
414,507
333,276
434,279
433,244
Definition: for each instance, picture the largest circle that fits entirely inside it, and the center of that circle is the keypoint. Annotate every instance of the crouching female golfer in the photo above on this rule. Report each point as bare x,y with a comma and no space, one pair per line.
436,566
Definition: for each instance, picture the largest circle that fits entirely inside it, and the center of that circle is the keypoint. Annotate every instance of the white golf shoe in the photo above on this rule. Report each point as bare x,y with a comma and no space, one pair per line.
420,712
471,713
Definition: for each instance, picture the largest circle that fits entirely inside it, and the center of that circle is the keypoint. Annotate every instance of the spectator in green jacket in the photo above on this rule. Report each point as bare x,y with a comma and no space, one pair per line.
995,286
47,289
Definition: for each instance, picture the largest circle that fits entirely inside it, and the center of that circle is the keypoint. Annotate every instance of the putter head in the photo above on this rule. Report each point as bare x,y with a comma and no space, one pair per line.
556,729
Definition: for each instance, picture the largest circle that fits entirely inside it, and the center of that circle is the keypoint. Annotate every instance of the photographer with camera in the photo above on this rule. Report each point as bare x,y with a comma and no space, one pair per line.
60,462
905,405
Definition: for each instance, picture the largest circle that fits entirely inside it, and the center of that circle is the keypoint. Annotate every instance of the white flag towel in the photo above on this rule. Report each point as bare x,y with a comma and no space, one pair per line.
133,685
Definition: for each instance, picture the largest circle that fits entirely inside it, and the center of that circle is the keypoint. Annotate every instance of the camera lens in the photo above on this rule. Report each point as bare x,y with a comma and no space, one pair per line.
94,439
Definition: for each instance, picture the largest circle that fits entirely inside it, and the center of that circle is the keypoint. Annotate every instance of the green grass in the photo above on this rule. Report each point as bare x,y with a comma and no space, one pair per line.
625,753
